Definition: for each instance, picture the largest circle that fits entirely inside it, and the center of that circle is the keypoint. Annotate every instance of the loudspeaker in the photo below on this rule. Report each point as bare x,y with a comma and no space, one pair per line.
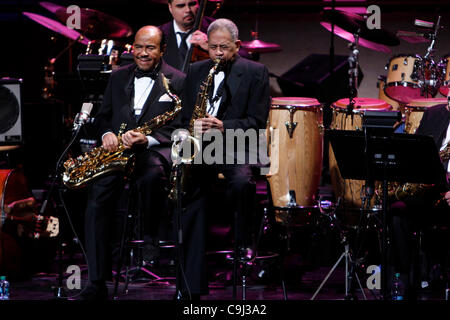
10,111
312,78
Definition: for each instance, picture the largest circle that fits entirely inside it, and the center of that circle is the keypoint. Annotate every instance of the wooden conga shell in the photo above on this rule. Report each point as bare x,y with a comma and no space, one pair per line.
415,109
348,189
296,155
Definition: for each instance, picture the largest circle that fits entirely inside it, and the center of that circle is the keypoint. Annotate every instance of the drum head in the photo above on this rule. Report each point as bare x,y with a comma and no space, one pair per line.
295,101
363,104
427,102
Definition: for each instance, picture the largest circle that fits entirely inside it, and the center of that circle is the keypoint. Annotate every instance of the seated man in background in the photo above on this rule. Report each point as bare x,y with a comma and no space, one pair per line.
418,212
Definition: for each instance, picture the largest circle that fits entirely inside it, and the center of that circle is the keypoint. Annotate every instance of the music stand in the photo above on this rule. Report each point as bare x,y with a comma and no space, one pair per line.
386,157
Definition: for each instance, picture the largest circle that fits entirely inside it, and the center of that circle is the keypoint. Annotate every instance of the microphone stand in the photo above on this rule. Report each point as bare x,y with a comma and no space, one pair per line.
59,290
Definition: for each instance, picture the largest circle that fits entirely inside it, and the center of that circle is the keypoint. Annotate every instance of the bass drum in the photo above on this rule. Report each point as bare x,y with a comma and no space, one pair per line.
415,109
350,190
404,74
295,142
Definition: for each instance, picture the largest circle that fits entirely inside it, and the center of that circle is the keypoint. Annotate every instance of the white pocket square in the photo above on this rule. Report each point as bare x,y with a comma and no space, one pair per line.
165,97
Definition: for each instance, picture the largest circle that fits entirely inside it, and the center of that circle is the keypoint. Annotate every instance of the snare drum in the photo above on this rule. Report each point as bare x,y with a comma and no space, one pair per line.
348,189
402,82
445,71
415,109
295,141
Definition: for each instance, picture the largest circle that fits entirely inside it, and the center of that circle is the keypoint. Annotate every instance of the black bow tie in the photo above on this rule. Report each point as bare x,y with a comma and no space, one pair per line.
138,73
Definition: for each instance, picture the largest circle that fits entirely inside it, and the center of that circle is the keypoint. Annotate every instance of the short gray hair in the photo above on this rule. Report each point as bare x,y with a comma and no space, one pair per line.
227,25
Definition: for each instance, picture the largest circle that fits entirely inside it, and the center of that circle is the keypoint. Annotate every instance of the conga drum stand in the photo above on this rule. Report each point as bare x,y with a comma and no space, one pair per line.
349,262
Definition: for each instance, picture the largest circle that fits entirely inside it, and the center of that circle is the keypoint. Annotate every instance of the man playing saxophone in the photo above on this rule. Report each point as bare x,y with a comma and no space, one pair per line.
135,94
236,97
418,214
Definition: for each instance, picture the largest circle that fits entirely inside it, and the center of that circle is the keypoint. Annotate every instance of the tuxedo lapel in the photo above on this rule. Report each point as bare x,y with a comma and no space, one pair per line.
128,104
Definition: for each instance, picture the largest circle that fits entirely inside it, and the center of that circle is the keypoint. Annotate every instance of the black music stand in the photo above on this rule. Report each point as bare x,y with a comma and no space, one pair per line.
386,157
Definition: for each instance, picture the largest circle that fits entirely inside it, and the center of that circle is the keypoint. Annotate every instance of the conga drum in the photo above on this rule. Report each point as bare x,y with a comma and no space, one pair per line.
350,190
295,142
414,111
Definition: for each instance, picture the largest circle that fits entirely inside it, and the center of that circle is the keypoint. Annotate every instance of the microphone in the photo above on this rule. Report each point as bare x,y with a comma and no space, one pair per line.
82,117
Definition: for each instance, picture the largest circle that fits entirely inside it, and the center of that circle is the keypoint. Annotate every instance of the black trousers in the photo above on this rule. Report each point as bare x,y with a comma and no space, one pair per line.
241,193
151,178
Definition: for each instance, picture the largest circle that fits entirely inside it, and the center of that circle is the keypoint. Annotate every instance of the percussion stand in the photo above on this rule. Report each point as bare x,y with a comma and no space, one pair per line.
349,262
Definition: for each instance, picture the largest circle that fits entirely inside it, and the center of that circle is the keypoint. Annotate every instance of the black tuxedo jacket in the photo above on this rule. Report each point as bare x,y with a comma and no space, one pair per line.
118,100
434,123
246,100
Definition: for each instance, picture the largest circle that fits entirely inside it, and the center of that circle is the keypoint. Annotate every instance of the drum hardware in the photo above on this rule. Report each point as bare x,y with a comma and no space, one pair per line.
291,125
329,210
256,46
413,76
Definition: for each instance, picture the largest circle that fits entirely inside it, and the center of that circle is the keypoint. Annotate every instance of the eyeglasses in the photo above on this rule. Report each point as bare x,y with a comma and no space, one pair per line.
223,47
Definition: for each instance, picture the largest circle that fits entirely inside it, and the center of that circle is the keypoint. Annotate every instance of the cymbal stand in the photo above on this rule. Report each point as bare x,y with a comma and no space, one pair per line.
353,61
429,86
346,255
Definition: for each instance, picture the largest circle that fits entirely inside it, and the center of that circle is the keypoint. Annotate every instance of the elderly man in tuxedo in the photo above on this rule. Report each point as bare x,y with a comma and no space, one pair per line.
134,95
238,99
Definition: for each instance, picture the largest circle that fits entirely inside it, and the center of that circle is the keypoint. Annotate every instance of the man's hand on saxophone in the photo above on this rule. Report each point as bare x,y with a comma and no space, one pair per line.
132,138
210,122
110,142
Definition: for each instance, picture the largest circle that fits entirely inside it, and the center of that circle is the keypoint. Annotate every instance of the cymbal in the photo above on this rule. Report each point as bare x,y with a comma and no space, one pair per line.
57,27
52,7
350,37
93,22
356,24
412,37
259,46
165,1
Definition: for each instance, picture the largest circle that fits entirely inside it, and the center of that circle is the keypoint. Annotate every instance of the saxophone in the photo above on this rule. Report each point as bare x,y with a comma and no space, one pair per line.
99,161
401,191
187,140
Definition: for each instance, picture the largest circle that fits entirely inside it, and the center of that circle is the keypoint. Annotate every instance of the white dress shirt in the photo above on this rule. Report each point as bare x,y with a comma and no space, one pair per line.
177,29
215,108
